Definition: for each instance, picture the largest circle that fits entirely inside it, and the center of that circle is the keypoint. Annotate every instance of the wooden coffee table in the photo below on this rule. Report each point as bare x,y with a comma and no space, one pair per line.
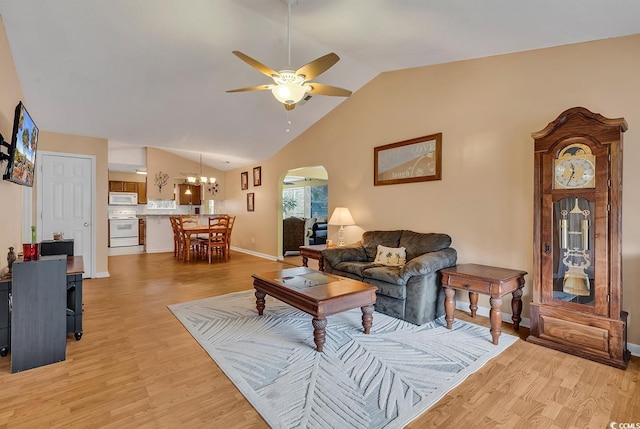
318,294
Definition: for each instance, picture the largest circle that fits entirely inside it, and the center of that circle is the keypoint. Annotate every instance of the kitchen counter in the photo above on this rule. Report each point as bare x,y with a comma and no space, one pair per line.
159,236
159,233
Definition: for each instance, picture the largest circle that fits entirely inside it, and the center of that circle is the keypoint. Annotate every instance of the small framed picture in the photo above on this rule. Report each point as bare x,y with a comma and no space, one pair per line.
250,202
257,176
244,180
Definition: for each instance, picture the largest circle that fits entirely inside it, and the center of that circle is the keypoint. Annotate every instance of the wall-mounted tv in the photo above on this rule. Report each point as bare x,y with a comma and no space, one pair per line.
22,152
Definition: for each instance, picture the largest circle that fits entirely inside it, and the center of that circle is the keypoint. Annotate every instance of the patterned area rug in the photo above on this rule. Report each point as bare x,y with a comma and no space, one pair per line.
381,380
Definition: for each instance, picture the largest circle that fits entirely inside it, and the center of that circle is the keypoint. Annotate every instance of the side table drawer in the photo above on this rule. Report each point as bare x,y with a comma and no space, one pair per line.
470,285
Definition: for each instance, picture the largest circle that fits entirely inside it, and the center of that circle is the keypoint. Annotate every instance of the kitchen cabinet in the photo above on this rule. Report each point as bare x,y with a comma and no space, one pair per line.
142,229
142,192
116,186
194,198
139,188
131,187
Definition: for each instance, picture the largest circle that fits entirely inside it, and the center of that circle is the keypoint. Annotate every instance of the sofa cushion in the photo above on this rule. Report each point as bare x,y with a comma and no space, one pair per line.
385,274
335,255
391,256
371,239
353,267
418,243
387,280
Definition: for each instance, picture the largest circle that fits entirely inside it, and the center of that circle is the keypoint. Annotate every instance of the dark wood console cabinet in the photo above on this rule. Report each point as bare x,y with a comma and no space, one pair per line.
71,309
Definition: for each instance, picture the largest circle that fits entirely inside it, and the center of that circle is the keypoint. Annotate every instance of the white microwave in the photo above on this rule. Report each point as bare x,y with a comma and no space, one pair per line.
123,199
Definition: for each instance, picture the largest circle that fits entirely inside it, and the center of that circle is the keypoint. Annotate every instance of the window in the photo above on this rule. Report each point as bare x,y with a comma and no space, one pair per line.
293,202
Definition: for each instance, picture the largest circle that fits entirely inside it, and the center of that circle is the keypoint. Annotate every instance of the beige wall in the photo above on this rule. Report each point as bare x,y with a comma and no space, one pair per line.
67,143
176,167
127,177
10,193
486,110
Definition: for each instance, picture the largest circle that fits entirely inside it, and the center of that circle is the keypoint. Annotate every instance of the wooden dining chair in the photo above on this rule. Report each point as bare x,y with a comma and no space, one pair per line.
232,220
176,236
218,237
188,245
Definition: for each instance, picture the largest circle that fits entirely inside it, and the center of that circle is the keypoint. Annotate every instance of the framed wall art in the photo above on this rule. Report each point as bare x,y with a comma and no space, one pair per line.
244,180
250,202
415,160
257,176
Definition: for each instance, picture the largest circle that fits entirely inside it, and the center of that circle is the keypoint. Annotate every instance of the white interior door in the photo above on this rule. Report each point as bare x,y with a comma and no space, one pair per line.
65,202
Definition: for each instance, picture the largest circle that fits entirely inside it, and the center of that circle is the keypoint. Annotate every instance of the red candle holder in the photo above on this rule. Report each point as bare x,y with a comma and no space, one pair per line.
31,251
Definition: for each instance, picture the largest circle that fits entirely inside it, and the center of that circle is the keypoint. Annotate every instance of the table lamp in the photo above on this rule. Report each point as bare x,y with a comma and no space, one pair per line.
341,216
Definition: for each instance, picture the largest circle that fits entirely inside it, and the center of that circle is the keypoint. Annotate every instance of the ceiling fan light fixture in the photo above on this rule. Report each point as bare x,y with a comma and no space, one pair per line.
288,92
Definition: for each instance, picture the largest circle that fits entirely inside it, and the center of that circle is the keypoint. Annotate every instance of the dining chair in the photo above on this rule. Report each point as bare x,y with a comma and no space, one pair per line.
218,237
176,236
188,245
232,220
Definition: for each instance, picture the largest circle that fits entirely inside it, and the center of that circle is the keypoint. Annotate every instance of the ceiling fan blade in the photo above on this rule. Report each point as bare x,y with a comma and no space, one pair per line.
267,71
251,88
318,66
321,89
289,107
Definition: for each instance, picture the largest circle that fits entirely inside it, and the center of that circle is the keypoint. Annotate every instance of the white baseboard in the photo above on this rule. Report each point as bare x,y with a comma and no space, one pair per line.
252,253
506,317
169,249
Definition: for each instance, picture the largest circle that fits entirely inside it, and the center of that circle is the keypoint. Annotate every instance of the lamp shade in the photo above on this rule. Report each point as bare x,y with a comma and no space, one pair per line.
341,216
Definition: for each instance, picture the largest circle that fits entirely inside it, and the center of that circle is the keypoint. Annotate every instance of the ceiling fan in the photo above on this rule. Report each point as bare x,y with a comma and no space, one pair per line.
290,86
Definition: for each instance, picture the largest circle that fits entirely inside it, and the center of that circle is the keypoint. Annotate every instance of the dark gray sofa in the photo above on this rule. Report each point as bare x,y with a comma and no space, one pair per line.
412,292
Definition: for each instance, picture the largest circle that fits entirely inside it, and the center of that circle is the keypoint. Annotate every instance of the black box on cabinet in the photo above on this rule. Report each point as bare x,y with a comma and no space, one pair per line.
56,247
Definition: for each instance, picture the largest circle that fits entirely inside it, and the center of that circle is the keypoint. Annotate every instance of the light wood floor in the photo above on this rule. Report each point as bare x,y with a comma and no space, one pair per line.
137,367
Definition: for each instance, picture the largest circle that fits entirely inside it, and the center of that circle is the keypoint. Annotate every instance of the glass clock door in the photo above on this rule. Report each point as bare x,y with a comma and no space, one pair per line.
574,252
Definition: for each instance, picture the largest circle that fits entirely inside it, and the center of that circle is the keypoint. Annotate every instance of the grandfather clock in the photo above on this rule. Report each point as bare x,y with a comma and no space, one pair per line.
577,282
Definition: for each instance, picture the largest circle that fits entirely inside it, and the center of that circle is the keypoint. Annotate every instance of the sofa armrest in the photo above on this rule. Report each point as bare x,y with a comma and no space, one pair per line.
429,263
351,253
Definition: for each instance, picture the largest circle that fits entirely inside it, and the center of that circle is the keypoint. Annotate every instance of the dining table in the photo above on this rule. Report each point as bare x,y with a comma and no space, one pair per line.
191,229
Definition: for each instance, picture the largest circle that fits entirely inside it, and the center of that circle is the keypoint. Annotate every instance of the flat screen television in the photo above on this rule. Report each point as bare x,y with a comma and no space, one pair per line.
22,152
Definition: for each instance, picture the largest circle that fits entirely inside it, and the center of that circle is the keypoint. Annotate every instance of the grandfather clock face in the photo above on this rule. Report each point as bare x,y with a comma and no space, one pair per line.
574,167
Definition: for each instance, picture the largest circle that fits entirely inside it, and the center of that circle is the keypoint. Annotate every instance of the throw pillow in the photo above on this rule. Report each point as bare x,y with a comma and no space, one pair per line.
308,223
393,257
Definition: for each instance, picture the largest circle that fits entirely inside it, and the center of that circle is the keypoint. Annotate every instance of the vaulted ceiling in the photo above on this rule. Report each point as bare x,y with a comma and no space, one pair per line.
154,72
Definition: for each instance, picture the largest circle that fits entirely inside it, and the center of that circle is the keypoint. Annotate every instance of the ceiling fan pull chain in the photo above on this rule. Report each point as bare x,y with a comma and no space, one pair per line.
288,122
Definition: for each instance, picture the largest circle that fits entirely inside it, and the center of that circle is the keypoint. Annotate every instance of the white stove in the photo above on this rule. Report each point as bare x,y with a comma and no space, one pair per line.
123,227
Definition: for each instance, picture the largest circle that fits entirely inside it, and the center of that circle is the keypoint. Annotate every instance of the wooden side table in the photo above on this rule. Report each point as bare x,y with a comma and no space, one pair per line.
313,251
493,281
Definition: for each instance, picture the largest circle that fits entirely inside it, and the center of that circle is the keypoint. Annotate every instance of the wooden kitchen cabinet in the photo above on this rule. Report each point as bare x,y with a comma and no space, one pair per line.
142,192
142,230
185,199
139,188
131,187
116,186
